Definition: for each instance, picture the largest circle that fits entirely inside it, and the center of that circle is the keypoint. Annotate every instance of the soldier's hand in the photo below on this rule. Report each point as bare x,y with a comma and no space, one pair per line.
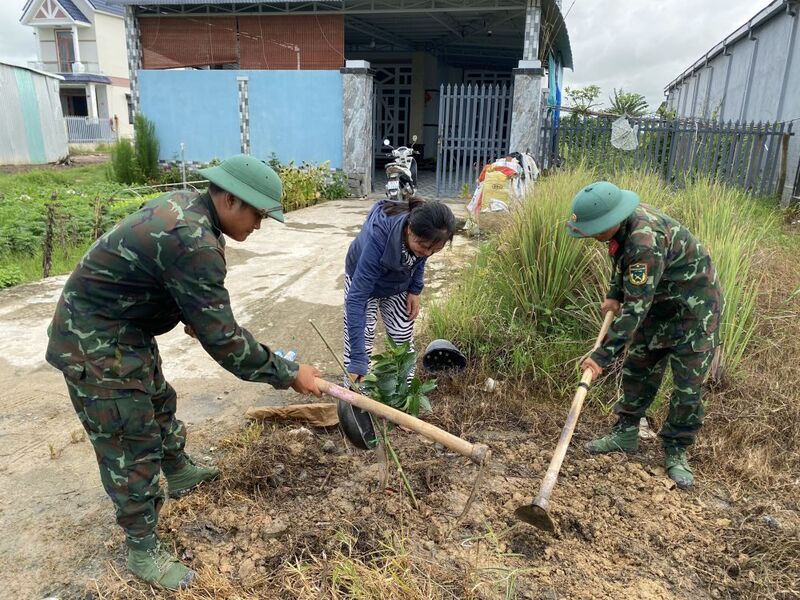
609,304
187,329
304,382
588,363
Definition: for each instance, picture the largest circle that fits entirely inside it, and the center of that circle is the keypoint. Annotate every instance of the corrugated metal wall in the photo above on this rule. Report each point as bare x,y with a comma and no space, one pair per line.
32,128
755,78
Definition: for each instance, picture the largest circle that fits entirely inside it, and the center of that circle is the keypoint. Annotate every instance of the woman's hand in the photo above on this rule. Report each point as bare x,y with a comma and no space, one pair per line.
412,304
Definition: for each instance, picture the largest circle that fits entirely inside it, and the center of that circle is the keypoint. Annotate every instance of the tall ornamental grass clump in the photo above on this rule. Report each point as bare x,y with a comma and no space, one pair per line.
732,225
146,146
529,304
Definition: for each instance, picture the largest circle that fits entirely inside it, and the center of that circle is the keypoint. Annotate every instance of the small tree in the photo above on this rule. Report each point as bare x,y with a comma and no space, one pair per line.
582,100
146,146
627,103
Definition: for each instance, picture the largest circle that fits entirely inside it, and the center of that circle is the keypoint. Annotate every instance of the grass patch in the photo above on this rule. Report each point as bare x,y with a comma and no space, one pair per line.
529,305
40,183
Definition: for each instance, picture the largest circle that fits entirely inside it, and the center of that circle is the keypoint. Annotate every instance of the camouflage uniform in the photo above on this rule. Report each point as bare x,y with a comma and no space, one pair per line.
159,266
671,306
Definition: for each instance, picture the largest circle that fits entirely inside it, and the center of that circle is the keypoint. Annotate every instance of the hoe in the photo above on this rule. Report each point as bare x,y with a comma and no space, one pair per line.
536,513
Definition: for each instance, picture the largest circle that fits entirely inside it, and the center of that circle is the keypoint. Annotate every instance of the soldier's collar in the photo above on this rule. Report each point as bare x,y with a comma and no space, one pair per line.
617,243
205,198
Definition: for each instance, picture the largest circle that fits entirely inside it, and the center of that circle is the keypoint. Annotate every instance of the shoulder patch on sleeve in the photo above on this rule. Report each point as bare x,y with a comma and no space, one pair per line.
637,273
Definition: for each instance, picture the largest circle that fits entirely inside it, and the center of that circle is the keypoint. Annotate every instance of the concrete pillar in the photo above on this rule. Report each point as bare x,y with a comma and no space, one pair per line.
76,47
244,114
91,100
533,19
526,110
133,43
357,86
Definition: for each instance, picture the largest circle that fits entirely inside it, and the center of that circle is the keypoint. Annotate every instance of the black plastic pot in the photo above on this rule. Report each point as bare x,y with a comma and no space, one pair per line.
442,355
357,426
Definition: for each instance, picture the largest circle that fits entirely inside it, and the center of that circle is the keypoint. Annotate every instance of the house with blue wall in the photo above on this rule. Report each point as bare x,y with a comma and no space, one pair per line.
328,80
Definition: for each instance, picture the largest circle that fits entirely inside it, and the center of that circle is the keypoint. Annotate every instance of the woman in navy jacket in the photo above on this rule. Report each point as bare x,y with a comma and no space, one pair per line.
384,270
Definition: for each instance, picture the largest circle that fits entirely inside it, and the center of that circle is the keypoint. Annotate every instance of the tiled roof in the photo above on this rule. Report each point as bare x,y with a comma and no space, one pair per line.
73,11
107,6
69,6
85,78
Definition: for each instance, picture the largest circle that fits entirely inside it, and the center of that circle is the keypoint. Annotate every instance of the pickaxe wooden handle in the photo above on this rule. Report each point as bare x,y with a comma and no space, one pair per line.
536,513
476,452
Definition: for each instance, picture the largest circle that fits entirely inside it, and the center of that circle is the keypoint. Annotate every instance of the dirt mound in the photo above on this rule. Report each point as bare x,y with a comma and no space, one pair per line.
298,514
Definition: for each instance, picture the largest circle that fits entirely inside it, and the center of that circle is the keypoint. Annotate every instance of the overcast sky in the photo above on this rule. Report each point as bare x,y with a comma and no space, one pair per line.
635,44
641,46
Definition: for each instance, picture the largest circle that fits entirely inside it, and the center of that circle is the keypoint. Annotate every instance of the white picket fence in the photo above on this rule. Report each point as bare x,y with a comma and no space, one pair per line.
82,130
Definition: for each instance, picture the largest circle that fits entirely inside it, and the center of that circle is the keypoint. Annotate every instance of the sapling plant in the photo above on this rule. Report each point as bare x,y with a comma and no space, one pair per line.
391,383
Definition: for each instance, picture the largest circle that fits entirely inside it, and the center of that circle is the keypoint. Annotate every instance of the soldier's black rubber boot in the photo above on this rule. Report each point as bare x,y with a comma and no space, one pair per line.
188,477
678,469
159,567
623,438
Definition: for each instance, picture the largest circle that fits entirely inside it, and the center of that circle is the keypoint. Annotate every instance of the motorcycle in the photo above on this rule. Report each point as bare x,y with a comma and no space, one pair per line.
401,172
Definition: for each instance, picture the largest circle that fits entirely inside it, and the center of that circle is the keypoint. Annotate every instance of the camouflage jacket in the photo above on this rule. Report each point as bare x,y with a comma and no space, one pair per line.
161,265
667,285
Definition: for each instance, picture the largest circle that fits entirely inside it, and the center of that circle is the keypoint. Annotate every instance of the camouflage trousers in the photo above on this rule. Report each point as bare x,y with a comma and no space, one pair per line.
642,374
134,435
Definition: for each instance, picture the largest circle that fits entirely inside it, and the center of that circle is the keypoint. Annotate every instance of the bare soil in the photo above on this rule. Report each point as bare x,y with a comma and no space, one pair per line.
297,510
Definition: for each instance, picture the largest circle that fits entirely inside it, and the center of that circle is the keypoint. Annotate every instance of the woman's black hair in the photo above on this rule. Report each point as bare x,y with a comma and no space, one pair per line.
432,222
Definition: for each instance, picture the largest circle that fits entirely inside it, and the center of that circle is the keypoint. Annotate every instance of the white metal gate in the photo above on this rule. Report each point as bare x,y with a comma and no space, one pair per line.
474,128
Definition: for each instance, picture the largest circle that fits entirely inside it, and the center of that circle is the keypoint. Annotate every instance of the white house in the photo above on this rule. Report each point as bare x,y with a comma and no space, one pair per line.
84,42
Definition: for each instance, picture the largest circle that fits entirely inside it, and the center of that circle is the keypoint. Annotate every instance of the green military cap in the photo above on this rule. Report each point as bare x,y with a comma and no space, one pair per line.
252,181
598,207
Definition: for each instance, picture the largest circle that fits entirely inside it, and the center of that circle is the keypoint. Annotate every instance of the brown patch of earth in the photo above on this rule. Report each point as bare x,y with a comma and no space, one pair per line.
299,514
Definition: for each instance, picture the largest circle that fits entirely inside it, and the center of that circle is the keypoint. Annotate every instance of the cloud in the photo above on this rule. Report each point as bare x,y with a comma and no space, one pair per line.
17,43
642,46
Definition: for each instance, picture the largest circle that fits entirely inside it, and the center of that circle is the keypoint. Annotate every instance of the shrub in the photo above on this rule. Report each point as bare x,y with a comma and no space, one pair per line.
146,146
336,186
10,275
123,167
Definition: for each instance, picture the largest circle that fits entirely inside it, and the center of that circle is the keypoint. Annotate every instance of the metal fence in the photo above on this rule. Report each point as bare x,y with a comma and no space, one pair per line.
88,130
474,128
751,156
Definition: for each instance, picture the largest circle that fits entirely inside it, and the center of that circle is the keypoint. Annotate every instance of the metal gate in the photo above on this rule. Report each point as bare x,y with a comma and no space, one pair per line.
474,128
392,105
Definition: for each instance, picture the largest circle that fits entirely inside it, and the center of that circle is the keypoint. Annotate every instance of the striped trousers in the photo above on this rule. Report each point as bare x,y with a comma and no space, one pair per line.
394,313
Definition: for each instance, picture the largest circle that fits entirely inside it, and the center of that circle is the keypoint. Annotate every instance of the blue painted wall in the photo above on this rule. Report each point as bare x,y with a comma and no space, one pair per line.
295,114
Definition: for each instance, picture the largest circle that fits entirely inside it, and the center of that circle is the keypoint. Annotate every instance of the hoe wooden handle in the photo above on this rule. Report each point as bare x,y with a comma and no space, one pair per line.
476,452
549,481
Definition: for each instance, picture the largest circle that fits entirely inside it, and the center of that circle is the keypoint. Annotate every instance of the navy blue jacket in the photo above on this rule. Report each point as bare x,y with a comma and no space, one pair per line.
376,270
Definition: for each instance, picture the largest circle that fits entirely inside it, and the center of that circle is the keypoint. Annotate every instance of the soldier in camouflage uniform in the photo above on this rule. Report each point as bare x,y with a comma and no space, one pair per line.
666,294
162,265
